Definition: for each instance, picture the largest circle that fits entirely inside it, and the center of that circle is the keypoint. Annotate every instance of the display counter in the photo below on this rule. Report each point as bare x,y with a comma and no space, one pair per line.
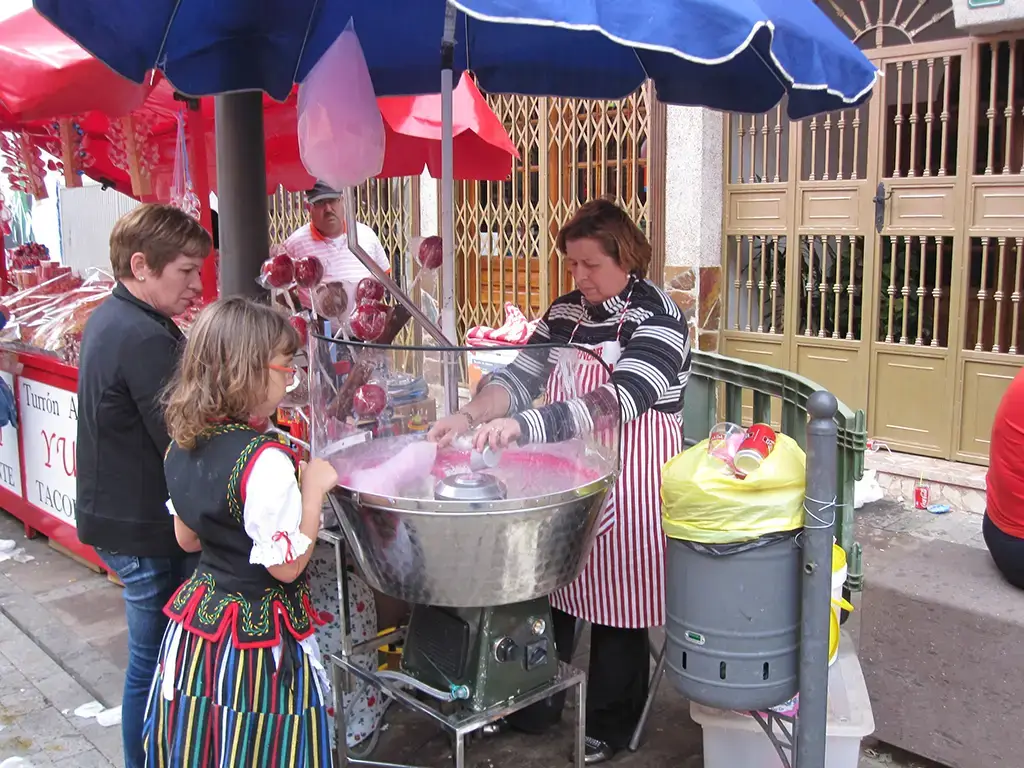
38,463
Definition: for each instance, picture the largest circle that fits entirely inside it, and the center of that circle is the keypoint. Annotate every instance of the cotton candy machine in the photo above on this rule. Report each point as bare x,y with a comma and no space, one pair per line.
477,552
446,535
475,542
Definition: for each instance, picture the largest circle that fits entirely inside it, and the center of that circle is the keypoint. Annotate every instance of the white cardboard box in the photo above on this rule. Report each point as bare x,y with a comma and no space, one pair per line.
733,740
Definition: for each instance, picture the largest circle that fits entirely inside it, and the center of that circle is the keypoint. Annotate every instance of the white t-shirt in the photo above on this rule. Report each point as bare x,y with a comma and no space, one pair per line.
340,264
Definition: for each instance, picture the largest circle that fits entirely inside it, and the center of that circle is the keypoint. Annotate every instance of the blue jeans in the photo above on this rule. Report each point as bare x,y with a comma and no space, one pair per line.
149,583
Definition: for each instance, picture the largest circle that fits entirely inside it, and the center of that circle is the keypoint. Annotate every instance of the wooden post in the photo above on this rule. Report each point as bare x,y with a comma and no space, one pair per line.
68,152
140,181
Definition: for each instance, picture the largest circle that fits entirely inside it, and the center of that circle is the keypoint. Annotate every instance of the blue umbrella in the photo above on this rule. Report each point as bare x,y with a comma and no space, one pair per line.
742,55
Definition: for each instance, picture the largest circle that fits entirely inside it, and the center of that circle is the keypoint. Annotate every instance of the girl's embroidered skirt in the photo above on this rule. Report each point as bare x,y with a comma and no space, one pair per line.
213,705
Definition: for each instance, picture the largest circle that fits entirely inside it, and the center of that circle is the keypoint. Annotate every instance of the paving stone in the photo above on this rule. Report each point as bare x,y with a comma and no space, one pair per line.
90,759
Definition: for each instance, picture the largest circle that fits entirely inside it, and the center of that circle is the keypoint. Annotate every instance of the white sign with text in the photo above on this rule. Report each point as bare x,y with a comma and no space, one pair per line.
49,430
10,457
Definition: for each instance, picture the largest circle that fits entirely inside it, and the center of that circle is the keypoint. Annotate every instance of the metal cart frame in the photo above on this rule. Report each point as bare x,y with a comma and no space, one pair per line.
460,723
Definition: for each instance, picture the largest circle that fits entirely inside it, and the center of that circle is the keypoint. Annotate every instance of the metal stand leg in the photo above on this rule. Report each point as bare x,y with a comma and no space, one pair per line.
340,726
659,672
460,750
784,741
580,747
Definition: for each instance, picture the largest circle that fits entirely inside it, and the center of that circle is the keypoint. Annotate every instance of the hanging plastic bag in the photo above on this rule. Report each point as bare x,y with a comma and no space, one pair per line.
183,194
341,132
703,504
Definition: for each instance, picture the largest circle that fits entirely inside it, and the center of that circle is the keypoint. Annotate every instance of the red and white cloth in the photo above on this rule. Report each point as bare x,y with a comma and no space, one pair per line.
623,583
515,332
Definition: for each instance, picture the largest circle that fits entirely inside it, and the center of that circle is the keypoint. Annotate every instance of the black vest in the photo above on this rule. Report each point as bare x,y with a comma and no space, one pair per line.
227,594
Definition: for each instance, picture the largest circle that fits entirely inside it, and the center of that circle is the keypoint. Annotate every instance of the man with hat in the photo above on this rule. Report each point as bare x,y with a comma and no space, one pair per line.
325,238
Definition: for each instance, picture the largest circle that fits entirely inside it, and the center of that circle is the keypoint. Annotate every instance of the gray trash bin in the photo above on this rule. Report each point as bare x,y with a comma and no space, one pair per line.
733,623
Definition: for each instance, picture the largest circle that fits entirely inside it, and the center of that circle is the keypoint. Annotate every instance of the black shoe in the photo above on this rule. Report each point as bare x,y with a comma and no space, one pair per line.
597,751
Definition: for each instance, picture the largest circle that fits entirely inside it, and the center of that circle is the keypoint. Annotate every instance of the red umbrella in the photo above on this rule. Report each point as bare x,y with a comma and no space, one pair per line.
483,149
412,124
45,74
412,127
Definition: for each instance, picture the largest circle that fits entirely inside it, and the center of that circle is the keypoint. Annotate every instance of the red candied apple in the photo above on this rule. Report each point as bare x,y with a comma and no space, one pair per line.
431,252
308,271
369,401
369,290
300,324
331,299
368,321
278,271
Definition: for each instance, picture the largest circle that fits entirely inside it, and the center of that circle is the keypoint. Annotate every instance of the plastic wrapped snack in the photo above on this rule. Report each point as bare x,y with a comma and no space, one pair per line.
59,330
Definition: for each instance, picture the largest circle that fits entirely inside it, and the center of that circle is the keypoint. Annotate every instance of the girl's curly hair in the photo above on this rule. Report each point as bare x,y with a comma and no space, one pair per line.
224,372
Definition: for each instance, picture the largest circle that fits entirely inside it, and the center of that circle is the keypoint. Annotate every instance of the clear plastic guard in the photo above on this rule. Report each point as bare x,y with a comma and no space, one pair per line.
372,408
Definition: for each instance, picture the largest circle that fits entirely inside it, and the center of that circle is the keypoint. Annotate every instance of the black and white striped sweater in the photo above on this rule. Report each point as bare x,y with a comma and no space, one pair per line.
651,372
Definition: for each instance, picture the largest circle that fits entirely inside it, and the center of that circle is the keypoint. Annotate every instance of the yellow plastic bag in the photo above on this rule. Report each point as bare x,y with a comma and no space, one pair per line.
701,503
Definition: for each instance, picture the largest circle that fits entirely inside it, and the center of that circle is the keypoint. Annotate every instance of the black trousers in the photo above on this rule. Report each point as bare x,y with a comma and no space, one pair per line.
1007,551
617,682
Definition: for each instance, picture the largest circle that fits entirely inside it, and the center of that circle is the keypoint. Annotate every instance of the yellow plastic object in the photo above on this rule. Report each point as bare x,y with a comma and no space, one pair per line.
703,502
833,628
838,558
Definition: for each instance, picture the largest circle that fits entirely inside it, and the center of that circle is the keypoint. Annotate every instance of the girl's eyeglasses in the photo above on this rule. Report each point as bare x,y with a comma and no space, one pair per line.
291,375
285,370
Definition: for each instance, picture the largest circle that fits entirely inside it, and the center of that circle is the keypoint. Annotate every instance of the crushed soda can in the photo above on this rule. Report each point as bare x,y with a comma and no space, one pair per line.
757,445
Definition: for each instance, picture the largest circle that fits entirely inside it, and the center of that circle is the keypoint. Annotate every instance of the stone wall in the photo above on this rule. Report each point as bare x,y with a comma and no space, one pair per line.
693,219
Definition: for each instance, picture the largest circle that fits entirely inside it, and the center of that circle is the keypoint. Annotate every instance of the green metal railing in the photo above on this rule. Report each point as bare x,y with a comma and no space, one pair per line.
716,393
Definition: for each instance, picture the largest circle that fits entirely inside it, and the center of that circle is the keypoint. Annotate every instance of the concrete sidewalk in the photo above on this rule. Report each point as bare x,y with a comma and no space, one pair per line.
37,704
63,644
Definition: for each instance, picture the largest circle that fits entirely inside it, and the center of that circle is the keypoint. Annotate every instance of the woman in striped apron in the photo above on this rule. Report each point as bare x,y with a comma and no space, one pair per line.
640,334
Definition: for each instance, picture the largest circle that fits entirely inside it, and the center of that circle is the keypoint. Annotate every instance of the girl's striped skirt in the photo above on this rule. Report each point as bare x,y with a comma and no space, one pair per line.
213,705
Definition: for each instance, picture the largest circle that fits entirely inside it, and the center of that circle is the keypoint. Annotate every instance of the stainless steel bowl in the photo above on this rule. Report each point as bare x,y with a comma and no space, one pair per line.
471,553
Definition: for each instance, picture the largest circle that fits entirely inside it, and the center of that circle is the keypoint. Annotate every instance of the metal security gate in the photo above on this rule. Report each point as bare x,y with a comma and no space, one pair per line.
389,207
571,151
877,250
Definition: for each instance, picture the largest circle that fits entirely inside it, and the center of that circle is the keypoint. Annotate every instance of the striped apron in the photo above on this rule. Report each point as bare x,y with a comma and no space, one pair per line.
623,583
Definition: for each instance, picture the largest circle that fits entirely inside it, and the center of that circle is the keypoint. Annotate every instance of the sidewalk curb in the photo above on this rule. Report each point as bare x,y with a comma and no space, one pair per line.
92,670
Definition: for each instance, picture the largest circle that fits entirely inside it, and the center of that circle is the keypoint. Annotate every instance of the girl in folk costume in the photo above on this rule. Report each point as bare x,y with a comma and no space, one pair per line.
239,681
639,332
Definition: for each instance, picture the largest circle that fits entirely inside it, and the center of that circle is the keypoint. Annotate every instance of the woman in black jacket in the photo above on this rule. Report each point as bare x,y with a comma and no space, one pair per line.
130,348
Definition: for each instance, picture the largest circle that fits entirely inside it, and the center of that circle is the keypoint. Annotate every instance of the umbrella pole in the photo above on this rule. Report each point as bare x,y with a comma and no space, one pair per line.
242,191
448,326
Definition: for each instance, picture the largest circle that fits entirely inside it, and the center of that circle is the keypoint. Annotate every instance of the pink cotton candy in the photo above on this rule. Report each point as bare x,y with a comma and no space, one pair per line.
411,463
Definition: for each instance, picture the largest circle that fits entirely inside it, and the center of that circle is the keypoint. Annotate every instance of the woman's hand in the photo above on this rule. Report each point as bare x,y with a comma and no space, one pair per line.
448,428
498,434
318,476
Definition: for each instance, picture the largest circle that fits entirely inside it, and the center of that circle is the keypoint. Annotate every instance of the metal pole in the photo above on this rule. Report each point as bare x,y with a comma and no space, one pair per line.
448,326
241,191
816,586
349,204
